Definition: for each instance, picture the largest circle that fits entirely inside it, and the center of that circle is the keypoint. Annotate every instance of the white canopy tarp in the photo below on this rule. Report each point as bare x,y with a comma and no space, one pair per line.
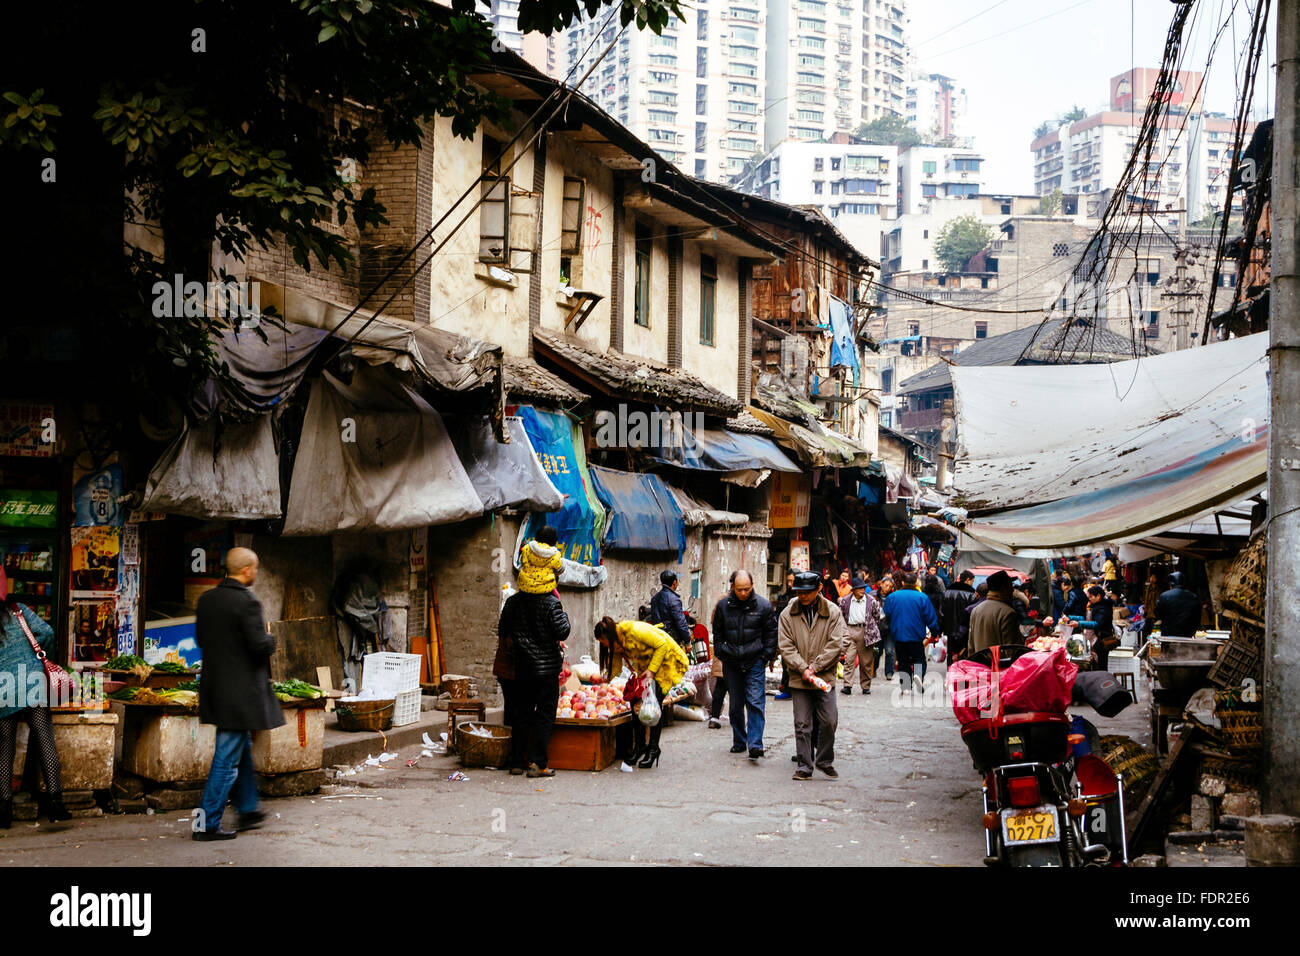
1064,457
227,472
374,456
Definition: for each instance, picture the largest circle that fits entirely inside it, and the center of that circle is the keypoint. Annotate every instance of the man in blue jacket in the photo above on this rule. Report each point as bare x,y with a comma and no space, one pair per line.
666,609
910,612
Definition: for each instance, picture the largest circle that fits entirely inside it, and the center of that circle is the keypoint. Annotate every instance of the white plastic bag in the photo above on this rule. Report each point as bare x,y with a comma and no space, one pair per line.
650,709
586,669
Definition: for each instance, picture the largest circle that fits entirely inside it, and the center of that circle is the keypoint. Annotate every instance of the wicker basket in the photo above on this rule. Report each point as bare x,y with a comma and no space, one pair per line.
1243,585
1240,773
1243,730
478,751
365,714
1128,757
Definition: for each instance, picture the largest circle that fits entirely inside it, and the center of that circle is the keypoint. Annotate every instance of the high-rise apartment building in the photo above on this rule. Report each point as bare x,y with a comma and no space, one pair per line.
935,107
833,65
694,93
853,185
740,76
1189,161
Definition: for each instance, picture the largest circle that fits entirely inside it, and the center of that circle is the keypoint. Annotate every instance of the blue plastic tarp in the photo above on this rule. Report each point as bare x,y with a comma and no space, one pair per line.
579,521
643,515
717,449
843,349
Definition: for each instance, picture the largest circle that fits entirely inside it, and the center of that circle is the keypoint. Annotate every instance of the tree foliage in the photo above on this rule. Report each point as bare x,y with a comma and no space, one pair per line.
1050,204
1072,115
959,240
889,131
234,123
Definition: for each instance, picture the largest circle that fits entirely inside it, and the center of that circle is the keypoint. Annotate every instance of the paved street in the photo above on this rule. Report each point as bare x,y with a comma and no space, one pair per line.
906,796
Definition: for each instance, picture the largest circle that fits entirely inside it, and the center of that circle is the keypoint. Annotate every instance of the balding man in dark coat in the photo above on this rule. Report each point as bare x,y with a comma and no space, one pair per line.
234,693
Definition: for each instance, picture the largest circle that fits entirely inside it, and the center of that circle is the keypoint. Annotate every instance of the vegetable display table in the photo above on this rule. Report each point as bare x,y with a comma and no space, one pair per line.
584,744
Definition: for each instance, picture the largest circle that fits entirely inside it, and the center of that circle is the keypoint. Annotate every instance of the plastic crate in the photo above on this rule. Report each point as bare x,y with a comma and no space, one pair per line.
393,674
407,708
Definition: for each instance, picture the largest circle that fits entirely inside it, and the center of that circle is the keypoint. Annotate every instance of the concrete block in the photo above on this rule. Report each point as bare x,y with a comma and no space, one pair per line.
161,800
290,784
1271,840
1188,837
1229,822
131,805
1244,804
1149,860
24,811
85,812
1229,836
77,799
1203,813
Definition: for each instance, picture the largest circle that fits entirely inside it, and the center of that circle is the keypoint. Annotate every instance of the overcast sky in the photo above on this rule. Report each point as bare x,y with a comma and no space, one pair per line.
1024,61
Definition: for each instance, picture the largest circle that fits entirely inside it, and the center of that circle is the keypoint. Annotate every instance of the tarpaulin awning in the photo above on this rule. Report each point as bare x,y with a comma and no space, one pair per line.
643,514
374,456
218,471
821,448
1165,440
697,514
263,365
557,441
504,474
717,449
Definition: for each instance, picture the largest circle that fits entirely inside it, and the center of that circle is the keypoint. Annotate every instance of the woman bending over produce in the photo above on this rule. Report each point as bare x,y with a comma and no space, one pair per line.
657,659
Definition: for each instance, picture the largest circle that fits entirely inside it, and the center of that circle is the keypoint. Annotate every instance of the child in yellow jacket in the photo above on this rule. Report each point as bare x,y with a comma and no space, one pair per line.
538,563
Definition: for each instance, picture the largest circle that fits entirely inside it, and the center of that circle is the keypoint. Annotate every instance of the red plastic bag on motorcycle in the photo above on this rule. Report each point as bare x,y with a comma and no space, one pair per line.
1036,681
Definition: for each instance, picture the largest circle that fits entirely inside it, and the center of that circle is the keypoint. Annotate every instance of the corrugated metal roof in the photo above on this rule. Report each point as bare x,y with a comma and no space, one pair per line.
1070,342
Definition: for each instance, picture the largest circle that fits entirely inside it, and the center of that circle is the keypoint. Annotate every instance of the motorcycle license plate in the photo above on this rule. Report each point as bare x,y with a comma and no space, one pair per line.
1037,825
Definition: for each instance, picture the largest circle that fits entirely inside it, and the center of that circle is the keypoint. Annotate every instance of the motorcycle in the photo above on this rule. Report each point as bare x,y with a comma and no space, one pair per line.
1048,800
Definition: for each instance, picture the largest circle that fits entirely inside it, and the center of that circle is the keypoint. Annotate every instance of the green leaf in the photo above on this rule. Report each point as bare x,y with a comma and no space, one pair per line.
14,98
24,112
326,32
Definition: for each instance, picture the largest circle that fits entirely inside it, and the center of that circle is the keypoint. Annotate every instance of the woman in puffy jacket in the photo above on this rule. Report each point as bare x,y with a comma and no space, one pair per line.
658,659
18,664
539,561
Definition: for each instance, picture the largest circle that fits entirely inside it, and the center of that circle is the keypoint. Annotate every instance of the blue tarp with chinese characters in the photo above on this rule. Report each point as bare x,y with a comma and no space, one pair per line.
643,515
717,449
581,519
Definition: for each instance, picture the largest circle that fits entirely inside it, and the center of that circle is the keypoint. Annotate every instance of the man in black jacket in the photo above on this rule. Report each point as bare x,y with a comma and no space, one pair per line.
1178,610
666,609
235,693
536,624
744,639
957,598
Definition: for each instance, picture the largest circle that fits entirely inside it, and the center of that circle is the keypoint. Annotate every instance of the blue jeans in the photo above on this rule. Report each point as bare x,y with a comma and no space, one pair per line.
746,686
886,647
231,774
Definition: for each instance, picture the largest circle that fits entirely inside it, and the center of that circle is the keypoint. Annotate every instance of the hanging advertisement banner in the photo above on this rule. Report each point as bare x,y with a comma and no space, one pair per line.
95,498
26,430
791,496
799,559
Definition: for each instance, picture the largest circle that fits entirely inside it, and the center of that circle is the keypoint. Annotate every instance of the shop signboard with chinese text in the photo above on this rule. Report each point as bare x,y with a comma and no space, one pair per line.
790,499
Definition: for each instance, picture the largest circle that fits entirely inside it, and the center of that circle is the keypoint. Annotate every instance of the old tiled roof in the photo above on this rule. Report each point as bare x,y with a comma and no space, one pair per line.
747,423
526,379
1068,343
632,377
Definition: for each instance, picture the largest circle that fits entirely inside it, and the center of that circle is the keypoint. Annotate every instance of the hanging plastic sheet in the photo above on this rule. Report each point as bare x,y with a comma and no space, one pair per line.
216,471
718,449
843,350
643,514
374,456
505,475
557,442
264,366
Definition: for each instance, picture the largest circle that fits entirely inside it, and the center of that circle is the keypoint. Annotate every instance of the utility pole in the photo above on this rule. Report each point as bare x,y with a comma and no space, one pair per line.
1281,698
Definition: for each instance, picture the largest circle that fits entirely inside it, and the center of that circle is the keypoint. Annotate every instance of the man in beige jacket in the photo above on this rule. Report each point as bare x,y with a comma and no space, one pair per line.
995,620
812,638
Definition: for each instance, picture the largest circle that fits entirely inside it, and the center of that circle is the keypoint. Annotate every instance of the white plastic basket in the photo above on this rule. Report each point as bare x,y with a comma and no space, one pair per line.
393,674
406,710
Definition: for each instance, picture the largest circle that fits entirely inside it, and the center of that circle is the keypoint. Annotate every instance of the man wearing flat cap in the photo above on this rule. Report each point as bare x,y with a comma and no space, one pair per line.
862,629
995,621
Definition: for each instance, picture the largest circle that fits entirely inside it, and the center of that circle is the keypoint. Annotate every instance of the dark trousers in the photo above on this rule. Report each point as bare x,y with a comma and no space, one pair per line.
746,684
909,654
40,740
814,708
534,719
644,737
510,701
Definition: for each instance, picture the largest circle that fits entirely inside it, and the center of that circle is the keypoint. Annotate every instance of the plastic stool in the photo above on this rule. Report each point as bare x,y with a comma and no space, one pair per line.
463,708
